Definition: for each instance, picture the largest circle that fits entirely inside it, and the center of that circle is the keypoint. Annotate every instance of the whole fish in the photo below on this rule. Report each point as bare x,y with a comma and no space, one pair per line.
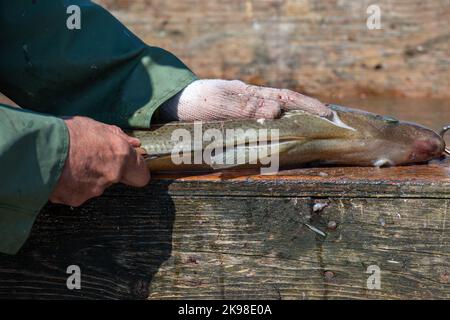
348,137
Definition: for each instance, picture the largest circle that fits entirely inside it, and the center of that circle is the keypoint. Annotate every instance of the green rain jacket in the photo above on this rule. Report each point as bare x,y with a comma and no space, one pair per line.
101,70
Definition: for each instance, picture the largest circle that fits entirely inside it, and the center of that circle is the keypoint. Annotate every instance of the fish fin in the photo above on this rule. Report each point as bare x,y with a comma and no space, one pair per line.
227,159
292,112
383,162
335,120
242,154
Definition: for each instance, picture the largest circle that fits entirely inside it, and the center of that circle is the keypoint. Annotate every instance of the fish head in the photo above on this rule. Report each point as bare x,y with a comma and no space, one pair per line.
388,141
413,143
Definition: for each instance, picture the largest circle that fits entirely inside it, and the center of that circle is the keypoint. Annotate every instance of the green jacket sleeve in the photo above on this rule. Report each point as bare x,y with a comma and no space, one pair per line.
33,150
101,70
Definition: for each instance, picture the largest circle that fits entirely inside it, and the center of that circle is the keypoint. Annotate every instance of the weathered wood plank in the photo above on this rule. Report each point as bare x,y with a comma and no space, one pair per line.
199,237
259,248
118,251
421,181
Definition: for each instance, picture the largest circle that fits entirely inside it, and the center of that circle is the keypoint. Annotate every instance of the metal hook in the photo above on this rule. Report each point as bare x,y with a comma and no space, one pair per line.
442,134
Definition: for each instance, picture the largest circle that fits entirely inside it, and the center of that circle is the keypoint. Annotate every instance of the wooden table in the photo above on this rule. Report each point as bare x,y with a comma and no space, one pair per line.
241,235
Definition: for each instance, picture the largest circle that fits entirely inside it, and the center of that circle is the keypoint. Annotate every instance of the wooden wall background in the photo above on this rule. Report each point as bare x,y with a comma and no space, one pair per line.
321,47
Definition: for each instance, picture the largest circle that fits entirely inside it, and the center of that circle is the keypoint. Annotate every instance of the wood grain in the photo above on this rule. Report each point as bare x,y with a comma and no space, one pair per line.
246,236
423,181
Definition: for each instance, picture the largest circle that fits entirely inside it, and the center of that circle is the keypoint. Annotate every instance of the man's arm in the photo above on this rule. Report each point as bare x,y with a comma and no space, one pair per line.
44,157
33,149
102,70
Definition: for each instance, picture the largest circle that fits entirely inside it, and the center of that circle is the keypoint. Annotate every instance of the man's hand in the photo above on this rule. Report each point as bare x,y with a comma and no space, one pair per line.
99,156
215,99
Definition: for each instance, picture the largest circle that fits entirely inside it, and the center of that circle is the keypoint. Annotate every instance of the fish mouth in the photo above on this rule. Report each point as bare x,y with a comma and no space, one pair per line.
428,148
442,134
